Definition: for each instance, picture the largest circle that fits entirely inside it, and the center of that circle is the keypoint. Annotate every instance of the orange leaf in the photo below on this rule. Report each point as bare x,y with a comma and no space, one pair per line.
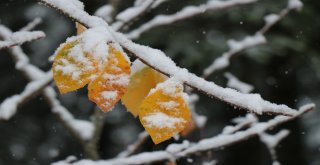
189,128
141,82
164,112
73,68
80,28
107,89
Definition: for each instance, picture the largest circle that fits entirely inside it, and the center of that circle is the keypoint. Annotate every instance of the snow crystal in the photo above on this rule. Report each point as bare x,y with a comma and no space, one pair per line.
161,120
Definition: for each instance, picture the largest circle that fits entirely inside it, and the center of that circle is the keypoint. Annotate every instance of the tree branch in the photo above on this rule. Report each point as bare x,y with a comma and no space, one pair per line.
176,151
20,37
185,13
236,47
160,62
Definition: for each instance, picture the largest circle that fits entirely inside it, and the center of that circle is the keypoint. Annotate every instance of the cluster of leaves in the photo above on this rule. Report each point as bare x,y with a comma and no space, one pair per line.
159,101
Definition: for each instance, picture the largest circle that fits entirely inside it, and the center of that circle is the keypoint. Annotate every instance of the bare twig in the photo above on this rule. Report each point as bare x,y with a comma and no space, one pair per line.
91,146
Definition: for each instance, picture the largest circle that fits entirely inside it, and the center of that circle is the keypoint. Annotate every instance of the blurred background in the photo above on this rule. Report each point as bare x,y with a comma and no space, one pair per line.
286,70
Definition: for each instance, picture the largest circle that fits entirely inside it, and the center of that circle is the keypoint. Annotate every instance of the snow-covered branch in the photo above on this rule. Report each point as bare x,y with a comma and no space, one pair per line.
105,12
160,62
39,79
234,82
176,151
131,13
236,47
271,141
31,25
131,149
10,105
241,122
186,12
20,37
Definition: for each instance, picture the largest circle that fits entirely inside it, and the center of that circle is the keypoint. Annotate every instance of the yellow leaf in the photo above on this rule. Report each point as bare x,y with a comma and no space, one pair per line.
73,68
164,112
107,89
141,82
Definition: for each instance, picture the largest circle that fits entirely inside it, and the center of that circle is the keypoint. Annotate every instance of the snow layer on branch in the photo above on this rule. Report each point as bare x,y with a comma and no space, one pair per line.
256,129
175,151
246,42
242,122
234,82
186,12
273,140
157,3
32,24
105,12
271,19
295,4
81,127
133,12
161,62
9,106
21,37
234,47
38,78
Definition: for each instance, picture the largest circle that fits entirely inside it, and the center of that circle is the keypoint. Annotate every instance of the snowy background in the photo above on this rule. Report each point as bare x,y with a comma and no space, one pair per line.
286,70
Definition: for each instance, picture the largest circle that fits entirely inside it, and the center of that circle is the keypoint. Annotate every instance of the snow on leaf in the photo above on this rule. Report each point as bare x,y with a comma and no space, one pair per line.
160,121
142,80
107,89
72,68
